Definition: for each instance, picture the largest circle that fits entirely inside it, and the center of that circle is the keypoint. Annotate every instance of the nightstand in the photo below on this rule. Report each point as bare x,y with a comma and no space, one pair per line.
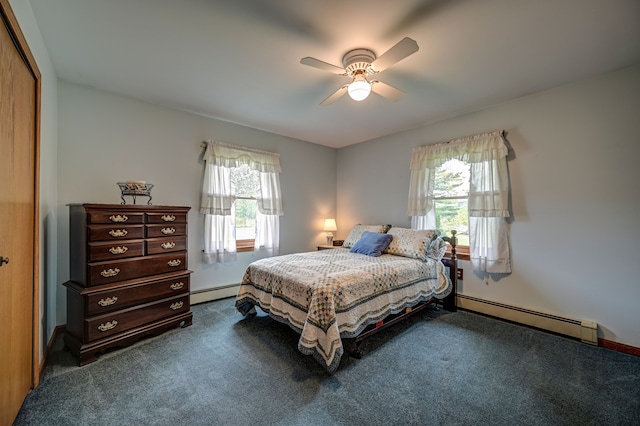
336,244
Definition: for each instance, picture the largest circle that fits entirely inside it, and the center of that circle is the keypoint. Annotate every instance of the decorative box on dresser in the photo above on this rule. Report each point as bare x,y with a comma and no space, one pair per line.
129,276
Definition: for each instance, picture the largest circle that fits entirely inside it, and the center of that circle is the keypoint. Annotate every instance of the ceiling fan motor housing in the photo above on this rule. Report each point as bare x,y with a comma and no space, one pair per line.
358,61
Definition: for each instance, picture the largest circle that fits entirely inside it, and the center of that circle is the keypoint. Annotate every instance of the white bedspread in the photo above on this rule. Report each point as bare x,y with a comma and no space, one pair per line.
329,294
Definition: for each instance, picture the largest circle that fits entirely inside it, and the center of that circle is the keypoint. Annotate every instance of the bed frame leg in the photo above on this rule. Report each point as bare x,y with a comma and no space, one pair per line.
352,347
356,353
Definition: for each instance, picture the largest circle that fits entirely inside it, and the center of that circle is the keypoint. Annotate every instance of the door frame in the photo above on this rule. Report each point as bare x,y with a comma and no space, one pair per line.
24,50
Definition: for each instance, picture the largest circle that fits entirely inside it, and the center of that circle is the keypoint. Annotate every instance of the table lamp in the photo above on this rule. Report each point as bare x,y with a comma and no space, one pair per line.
329,227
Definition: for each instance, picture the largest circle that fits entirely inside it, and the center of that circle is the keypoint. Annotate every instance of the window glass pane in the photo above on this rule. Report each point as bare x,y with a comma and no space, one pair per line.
246,184
453,214
245,181
452,179
245,219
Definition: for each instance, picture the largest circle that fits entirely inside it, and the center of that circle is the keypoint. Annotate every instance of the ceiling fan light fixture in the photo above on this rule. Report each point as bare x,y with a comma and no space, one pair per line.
360,63
359,89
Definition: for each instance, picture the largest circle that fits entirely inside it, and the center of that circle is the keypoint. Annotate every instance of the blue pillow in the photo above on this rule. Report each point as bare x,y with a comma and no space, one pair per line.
372,243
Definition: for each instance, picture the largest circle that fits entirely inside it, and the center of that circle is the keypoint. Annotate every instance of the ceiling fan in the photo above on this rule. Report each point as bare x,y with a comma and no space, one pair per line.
359,65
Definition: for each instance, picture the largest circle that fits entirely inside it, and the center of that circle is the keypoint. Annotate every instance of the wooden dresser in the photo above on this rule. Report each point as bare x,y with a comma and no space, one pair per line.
129,275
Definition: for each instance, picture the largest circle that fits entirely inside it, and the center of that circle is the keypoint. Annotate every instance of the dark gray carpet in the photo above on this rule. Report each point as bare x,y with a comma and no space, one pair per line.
437,368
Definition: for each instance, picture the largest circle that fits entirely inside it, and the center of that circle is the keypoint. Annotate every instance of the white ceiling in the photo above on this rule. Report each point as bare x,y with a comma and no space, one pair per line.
239,60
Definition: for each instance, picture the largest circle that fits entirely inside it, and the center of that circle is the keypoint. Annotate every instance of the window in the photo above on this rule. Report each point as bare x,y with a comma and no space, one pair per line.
245,183
468,174
450,195
240,185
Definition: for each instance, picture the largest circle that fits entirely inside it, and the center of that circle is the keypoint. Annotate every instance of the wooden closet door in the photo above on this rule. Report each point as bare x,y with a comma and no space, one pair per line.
18,269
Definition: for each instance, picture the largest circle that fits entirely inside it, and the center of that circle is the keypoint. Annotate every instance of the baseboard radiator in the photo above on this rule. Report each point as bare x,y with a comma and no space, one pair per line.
209,294
586,331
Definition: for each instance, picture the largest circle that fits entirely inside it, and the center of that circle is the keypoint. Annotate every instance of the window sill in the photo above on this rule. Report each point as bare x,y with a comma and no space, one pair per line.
243,246
462,253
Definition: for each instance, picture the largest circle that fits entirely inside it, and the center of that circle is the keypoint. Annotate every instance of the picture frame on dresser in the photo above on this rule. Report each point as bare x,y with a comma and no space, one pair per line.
129,275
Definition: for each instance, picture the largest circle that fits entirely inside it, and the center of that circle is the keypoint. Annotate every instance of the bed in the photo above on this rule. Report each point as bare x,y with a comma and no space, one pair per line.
335,298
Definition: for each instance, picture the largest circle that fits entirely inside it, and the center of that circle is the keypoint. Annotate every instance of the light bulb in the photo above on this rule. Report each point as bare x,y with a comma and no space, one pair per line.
359,89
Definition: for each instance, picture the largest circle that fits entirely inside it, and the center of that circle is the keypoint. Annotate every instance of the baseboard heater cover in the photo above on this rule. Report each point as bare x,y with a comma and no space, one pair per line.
215,293
586,331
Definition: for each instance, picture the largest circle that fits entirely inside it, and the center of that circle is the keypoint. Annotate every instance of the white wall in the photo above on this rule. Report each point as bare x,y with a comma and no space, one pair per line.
48,169
105,138
574,179
575,193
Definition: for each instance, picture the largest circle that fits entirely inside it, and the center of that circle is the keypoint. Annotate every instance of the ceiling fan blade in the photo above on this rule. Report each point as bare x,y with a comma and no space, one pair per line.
401,50
335,95
418,15
316,63
386,91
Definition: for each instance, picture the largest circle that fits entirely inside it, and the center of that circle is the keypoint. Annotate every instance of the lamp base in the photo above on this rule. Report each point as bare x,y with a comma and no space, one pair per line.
329,240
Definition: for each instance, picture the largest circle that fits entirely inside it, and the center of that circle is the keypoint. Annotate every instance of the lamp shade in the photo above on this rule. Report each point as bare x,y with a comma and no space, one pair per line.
330,225
360,88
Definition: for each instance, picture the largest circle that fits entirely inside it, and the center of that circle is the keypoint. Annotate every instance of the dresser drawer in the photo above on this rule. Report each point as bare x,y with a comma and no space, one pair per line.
126,319
111,233
136,267
113,300
168,217
166,244
168,230
118,217
112,250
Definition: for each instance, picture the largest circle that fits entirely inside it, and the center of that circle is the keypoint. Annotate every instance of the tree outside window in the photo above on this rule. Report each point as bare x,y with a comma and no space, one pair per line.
245,184
451,193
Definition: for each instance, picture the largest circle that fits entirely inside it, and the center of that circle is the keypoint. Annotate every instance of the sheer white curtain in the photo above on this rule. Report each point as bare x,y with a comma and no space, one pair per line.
217,200
488,195
268,214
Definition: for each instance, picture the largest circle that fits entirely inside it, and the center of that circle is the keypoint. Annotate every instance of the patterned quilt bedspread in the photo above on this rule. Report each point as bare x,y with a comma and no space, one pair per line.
329,294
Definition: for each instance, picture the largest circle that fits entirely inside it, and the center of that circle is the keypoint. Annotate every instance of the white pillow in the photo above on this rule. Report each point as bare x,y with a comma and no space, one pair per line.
437,248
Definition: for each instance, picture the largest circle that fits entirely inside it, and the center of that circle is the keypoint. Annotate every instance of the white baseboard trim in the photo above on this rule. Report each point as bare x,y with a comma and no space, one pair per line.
586,331
207,295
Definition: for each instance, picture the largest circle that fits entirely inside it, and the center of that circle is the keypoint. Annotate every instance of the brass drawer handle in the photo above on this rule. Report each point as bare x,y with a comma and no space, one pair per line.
176,286
110,272
118,233
168,231
118,250
108,301
174,262
177,305
167,246
168,217
108,326
118,218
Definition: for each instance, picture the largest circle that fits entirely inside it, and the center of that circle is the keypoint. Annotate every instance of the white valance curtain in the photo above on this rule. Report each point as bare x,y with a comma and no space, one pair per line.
488,195
217,201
